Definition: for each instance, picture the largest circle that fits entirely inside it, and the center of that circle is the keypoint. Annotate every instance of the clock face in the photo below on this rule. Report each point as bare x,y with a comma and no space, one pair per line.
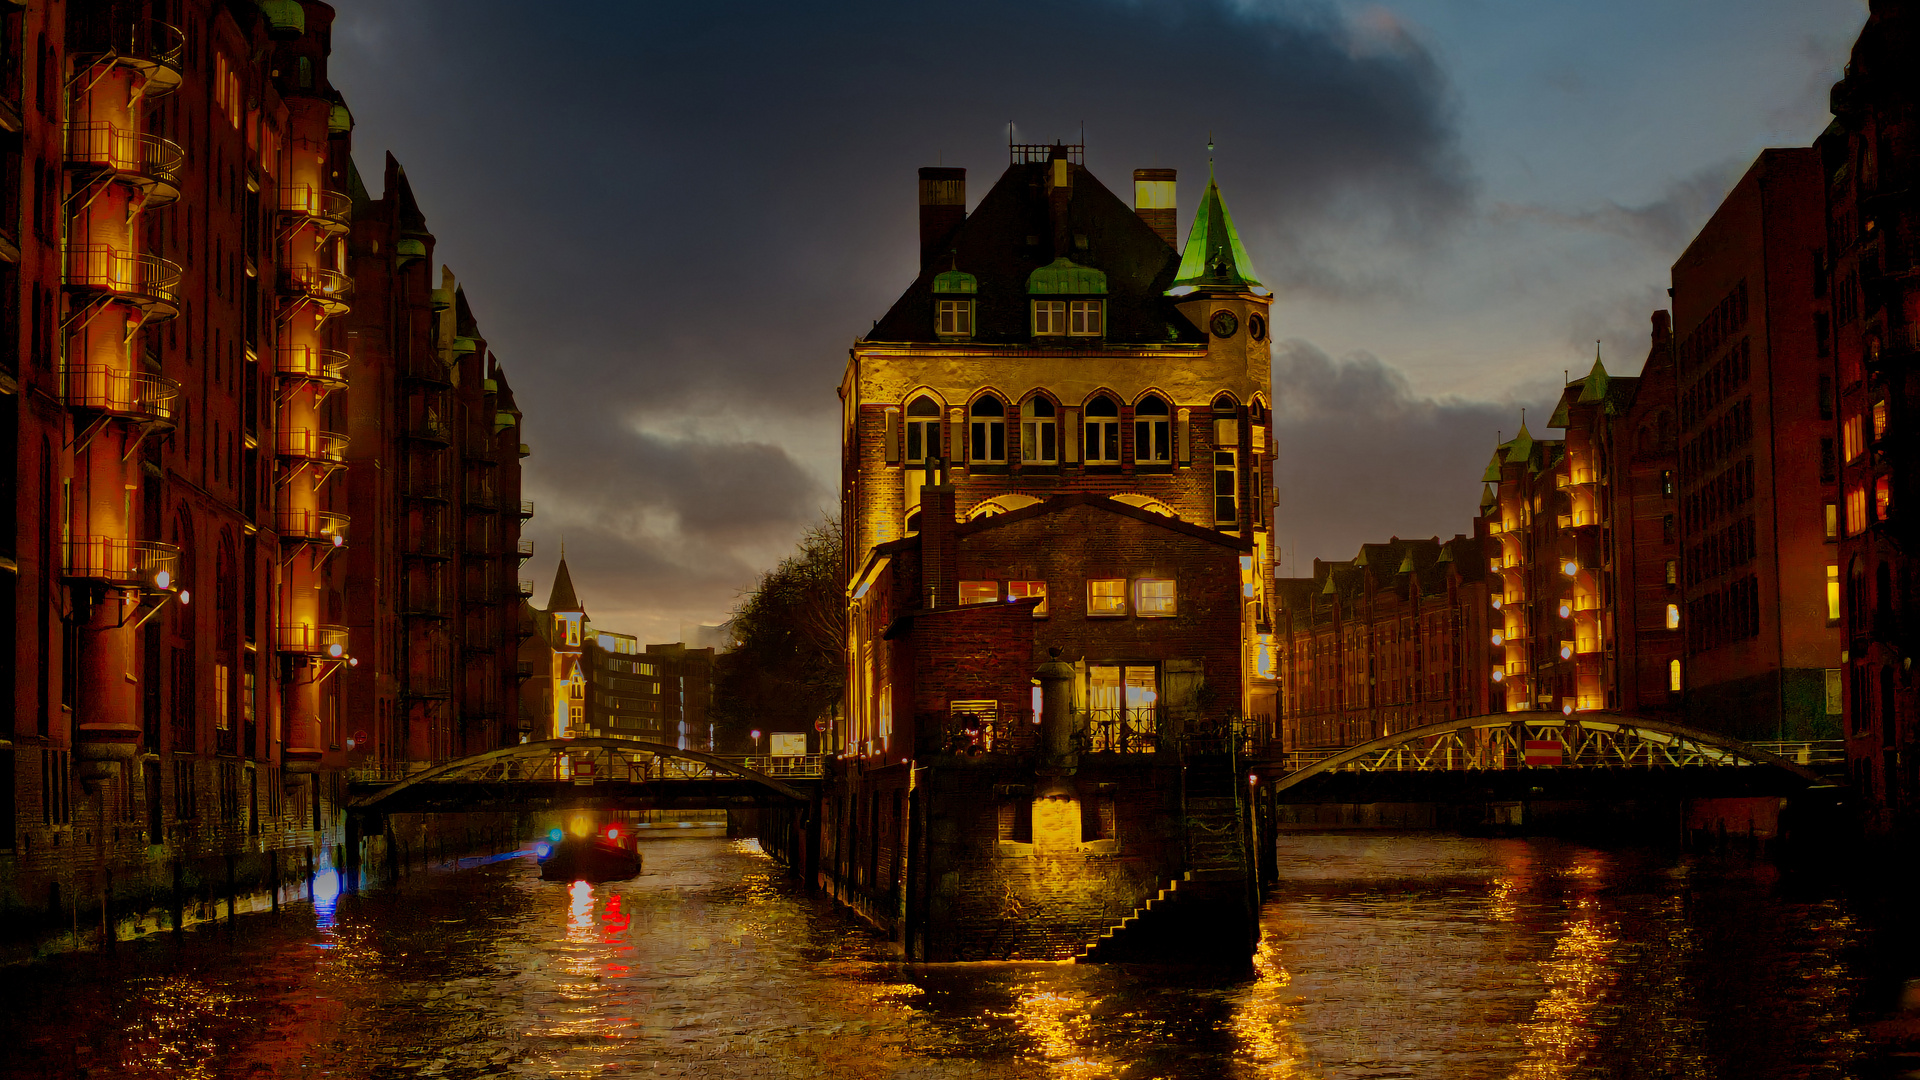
1223,324
1257,327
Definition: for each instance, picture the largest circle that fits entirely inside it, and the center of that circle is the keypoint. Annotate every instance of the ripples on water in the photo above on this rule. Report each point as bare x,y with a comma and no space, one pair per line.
1384,956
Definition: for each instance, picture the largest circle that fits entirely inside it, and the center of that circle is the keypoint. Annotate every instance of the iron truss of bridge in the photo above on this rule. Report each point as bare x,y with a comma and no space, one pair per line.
1565,756
595,773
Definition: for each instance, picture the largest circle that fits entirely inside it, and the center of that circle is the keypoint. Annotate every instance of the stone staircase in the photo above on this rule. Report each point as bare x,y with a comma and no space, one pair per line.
1203,916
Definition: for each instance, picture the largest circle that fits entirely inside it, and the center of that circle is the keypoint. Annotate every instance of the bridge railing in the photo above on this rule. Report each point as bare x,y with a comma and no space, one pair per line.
590,764
1814,753
802,766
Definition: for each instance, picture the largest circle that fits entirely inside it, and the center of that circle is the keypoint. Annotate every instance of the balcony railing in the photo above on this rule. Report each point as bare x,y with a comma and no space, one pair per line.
154,49
526,588
424,488
426,686
481,497
136,395
425,367
524,549
526,509
429,429
330,211
312,526
147,162
308,639
307,444
426,603
1123,731
146,563
318,365
329,289
149,281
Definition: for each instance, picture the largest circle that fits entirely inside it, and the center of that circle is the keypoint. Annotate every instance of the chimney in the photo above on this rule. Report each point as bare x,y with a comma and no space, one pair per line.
1059,198
939,562
943,206
1153,200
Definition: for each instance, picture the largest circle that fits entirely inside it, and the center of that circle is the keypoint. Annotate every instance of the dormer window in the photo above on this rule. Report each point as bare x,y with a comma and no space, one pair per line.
1078,310
953,293
1049,318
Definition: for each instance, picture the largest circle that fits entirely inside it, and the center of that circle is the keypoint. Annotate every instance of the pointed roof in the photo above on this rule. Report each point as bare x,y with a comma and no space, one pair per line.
1521,448
1406,564
1492,473
1214,258
1594,387
562,598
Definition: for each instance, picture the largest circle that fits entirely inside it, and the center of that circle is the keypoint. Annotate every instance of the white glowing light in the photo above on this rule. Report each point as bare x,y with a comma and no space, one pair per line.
1566,610
1499,675
162,579
1566,652
1572,568
334,650
1499,639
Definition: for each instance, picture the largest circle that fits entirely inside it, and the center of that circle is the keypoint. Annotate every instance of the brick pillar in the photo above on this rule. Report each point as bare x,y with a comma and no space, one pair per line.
938,564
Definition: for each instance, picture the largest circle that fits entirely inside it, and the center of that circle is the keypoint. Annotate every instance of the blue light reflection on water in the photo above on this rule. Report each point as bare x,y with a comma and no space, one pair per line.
1383,956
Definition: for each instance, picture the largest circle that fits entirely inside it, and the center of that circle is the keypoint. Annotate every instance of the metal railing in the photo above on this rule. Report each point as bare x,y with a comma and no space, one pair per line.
524,548
803,765
425,367
526,509
310,639
307,362
1808,751
480,497
136,276
137,155
315,526
122,393
147,563
428,429
424,487
526,588
328,288
332,210
310,445
1122,731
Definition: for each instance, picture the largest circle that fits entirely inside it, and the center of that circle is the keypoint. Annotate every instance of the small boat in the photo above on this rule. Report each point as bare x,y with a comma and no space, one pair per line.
607,855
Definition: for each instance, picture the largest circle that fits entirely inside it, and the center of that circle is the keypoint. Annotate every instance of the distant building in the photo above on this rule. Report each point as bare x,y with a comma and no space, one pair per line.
1868,317
1394,639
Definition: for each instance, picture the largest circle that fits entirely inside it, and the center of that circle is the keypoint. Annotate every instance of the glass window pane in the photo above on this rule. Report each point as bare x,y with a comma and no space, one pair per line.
979,592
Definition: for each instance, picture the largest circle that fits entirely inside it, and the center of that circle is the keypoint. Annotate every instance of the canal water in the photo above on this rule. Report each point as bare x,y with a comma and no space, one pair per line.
1384,956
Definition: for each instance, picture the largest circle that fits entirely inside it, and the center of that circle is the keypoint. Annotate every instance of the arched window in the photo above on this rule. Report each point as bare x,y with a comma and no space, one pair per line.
1038,445
987,430
1152,431
923,429
1103,431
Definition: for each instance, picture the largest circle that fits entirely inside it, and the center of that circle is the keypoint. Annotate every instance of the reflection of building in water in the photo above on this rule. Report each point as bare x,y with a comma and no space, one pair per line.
1055,441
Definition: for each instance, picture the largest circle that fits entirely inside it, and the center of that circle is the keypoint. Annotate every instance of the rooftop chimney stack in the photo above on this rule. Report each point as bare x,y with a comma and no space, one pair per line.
943,206
1153,200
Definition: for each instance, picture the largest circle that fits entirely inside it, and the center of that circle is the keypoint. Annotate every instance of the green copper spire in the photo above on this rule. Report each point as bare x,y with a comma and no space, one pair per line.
1214,258
1595,388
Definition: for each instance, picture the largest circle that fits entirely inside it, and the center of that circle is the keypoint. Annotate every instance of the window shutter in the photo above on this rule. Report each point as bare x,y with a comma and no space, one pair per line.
958,443
1182,446
893,437
1071,435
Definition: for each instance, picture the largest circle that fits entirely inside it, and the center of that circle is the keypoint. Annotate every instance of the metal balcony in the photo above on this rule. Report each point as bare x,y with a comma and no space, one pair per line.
148,564
153,49
429,429
425,367
424,603
331,212
146,281
306,444
526,509
312,526
134,395
524,548
523,669
329,290
480,497
148,163
307,639
424,489
526,588
426,686
325,366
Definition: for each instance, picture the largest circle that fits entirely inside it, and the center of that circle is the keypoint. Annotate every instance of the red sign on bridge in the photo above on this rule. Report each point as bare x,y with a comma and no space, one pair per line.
1543,752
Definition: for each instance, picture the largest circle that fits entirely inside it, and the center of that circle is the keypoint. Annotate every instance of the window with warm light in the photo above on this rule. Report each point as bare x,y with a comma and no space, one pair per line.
1882,498
1038,433
1153,596
1879,419
1852,443
1107,596
1833,592
1152,431
979,592
1029,590
988,431
1833,521
1856,510
1103,431
1673,616
1673,571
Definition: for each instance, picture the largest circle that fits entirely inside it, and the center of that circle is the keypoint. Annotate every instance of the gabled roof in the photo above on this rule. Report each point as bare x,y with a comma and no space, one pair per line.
1010,234
562,598
1214,257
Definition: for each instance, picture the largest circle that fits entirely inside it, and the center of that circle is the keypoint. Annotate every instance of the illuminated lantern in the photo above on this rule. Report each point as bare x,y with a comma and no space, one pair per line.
1498,675
1566,652
555,835
1499,639
613,832
1496,603
1572,568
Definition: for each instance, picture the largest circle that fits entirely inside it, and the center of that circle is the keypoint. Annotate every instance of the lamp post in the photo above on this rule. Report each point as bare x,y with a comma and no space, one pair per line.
755,734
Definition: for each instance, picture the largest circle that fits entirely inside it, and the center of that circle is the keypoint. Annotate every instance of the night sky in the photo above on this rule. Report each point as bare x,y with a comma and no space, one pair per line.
673,219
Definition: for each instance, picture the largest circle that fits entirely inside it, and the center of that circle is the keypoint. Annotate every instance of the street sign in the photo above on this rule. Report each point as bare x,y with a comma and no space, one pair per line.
789,744
1543,753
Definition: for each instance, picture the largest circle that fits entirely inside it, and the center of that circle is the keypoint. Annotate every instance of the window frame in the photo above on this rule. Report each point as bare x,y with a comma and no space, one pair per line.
1118,593
1056,316
960,325
1153,430
1086,318
1039,435
1028,590
1140,603
1107,439
923,428
979,598
986,432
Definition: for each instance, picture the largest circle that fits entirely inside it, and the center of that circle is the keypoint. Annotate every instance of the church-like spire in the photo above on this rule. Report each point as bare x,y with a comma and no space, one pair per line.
562,597
1214,258
1594,387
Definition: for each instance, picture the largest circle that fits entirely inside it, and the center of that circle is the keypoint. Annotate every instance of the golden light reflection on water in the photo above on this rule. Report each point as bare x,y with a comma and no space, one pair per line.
1262,1022
1059,1024
173,1036
1578,976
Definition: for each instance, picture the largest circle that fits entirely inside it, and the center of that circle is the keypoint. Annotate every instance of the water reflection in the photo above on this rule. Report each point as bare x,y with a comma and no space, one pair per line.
1382,956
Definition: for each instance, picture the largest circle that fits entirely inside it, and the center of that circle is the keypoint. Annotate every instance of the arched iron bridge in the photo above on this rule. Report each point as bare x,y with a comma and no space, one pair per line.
594,773
1545,755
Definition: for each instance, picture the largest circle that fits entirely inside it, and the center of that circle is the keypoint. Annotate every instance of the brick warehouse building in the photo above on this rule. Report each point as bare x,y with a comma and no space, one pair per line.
1869,321
1056,362
176,364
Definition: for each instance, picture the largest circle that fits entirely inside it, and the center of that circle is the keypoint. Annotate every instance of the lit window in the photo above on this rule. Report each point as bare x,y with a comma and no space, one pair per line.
221,719
1029,590
923,429
1850,438
1152,431
1049,317
1673,616
1673,676
1103,431
1833,521
1107,596
1879,419
1673,571
989,431
1882,499
955,318
1833,592
979,592
1037,432
1153,596
1856,511
1084,318
1666,483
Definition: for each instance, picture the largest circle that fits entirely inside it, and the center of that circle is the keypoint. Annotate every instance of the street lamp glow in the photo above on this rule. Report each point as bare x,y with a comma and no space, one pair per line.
1572,568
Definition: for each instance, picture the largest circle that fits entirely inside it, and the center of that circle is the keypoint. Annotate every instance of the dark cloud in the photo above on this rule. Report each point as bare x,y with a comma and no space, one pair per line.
1663,224
1359,456
683,213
